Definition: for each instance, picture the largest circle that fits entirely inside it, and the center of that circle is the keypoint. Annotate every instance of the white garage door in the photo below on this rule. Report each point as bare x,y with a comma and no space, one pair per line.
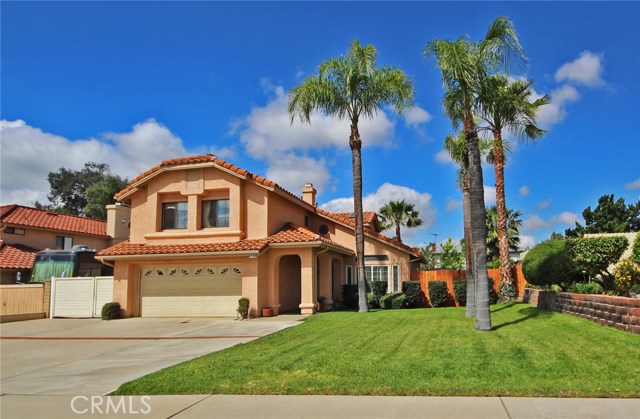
191,290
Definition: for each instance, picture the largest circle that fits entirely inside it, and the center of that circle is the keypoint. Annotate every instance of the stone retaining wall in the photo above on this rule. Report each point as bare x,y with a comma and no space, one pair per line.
620,312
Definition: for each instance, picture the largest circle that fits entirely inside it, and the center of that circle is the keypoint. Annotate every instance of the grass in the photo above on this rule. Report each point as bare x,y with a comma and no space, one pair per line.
418,352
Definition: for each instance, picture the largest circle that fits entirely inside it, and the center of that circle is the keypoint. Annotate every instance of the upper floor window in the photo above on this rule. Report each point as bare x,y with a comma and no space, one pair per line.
215,213
15,230
64,243
174,215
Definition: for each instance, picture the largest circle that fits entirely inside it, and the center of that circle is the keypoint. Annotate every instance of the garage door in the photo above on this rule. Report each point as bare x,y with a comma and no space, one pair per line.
191,290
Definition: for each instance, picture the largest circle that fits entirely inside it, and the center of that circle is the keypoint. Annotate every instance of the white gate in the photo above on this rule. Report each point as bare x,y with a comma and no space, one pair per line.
80,297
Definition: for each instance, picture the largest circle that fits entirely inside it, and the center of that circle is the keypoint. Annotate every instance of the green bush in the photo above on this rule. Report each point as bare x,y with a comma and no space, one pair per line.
350,296
550,263
438,293
413,293
386,301
635,253
243,307
378,289
372,301
493,295
460,291
111,311
594,255
585,288
400,301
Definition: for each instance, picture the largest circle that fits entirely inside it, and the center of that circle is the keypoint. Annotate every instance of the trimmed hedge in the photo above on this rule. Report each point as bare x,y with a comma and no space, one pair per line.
111,311
372,301
243,307
413,293
635,253
386,301
399,302
594,255
378,289
438,293
549,263
460,291
350,296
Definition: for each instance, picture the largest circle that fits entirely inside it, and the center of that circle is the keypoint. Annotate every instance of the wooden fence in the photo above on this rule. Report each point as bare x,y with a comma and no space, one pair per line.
21,302
449,276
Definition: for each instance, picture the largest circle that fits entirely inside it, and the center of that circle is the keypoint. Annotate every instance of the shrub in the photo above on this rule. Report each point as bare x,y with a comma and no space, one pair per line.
413,293
111,311
460,291
386,301
595,255
493,295
585,288
635,252
438,293
399,302
243,307
627,274
350,296
372,301
549,263
378,289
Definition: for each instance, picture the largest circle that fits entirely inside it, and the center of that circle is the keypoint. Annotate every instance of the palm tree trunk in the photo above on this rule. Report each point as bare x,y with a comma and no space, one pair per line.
478,226
356,147
506,282
470,274
398,233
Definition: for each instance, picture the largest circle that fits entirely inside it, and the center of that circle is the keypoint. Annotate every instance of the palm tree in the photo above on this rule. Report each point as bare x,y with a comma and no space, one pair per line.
464,64
505,105
399,214
351,87
513,232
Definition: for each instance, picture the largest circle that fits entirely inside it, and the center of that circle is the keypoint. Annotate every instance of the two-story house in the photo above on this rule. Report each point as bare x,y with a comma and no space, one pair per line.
24,231
205,232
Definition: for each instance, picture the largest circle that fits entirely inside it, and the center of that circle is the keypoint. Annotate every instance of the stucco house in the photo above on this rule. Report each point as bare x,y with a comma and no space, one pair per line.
205,232
24,231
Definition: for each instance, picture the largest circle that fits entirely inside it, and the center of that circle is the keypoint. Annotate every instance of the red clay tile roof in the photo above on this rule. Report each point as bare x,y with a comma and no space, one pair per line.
289,234
16,256
368,216
37,218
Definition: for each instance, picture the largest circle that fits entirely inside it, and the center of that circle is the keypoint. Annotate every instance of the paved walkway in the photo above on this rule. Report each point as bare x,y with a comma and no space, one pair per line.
283,407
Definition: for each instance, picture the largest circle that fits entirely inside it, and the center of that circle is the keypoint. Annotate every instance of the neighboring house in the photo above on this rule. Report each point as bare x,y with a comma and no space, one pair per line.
205,232
24,231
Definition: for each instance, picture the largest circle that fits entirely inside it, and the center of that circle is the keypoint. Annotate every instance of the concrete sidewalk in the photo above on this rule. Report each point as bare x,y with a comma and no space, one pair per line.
222,406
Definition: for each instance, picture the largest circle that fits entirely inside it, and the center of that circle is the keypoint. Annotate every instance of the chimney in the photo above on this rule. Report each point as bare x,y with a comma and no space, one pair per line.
118,217
309,194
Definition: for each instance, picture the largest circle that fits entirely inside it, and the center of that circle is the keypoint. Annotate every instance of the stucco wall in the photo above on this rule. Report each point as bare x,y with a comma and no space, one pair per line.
46,239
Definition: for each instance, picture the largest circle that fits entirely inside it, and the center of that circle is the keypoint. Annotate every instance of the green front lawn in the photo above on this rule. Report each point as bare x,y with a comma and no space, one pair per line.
418,352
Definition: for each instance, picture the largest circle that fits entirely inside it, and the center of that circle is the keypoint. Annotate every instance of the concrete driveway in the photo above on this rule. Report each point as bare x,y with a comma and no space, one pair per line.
93,357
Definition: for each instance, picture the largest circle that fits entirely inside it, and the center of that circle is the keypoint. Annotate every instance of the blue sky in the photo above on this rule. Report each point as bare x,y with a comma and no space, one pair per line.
132,83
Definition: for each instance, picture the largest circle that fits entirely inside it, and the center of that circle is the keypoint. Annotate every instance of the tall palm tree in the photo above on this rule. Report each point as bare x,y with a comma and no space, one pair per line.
464,64
505,105
351,87
493,238
398,214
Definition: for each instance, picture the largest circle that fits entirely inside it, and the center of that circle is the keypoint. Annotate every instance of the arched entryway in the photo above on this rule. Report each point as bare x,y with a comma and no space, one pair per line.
290,289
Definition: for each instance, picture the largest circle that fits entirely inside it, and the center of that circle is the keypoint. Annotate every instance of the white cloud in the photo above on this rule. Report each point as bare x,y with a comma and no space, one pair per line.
587,70
526,242
29,154
416,116
535,222
545,204
388,192
293,171
632,185
267,134
443,157
555,111
453,204
489,195
524,191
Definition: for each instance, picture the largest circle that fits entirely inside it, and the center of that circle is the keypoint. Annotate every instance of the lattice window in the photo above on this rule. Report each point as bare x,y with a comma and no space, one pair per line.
236,270
173,271
224,271
147,272
211,271
159,272
198,271
184,271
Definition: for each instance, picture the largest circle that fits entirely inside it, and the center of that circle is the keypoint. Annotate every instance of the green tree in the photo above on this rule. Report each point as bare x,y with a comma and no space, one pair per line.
556,236
506,106
398,214
463,65
610,216
513,226
351,87
451,257
101,194
68,187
